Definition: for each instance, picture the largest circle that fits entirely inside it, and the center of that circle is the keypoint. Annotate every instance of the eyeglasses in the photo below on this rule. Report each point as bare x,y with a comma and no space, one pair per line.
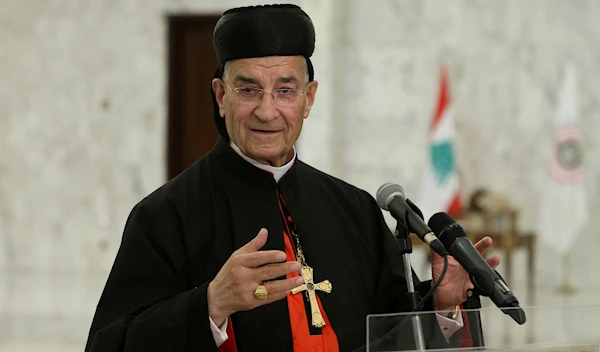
252,96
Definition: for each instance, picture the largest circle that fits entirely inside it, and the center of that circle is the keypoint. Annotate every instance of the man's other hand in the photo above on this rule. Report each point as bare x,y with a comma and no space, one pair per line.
232,290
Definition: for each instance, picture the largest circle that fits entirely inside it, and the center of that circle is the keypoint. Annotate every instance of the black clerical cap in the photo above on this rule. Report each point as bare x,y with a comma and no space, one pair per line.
259,31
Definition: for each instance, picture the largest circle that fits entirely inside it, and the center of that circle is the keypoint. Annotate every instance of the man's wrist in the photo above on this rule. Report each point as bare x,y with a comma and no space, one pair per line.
213,310
450,312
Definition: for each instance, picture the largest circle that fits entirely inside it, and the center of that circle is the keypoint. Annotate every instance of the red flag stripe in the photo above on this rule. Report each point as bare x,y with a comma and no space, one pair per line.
443,99
455,207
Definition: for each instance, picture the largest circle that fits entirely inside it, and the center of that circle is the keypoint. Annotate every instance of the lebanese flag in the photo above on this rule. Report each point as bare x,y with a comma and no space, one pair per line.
440,187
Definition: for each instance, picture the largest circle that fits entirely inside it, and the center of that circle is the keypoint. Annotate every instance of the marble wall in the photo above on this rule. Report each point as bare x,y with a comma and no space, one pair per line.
82,139
83,117
505,60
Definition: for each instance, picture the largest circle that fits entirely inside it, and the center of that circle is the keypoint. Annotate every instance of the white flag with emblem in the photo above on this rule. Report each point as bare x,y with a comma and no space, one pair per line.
563,205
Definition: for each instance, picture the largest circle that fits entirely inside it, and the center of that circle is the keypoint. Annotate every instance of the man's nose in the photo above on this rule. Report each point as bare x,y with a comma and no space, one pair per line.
267,109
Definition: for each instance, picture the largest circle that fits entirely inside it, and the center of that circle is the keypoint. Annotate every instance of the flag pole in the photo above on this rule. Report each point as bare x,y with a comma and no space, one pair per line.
565,288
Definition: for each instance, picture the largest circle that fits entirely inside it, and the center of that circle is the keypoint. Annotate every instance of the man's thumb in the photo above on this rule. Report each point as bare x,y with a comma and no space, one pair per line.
257,242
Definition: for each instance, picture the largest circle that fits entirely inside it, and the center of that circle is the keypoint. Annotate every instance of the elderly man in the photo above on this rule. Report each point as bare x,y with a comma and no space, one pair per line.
251,249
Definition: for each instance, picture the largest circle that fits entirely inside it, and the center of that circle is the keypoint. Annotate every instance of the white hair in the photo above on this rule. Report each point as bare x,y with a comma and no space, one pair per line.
228,67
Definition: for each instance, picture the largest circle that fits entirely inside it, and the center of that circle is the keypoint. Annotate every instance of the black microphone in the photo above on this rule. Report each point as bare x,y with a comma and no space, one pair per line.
486,280
391,197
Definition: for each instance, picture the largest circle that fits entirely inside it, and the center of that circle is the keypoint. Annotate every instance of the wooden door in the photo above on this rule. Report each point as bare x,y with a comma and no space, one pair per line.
192,64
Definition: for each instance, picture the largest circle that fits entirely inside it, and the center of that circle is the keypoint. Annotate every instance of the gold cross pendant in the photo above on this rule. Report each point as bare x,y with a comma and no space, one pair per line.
310,287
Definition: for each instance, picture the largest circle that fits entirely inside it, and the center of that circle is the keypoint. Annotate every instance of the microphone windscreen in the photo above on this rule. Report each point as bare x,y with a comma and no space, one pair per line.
387,192
445,228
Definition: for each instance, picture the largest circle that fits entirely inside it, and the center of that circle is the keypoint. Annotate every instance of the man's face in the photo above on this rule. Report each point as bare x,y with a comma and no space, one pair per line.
265,127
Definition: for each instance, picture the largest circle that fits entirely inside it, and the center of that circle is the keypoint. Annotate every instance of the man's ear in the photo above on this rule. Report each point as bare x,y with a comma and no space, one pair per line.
219,90
310,97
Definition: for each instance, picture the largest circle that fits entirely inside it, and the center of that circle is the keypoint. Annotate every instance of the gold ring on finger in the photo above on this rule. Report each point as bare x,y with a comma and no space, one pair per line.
261,292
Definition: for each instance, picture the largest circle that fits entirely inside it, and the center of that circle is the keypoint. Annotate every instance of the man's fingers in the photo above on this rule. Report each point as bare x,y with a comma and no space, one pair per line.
483,245
278,287
256,259
278,290
494,261
256,244
272,271
276,297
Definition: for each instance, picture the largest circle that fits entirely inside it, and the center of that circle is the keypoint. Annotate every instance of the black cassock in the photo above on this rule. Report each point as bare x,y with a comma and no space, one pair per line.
176,240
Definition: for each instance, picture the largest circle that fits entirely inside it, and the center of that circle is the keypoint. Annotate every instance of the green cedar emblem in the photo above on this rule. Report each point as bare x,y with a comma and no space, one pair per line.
442,159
